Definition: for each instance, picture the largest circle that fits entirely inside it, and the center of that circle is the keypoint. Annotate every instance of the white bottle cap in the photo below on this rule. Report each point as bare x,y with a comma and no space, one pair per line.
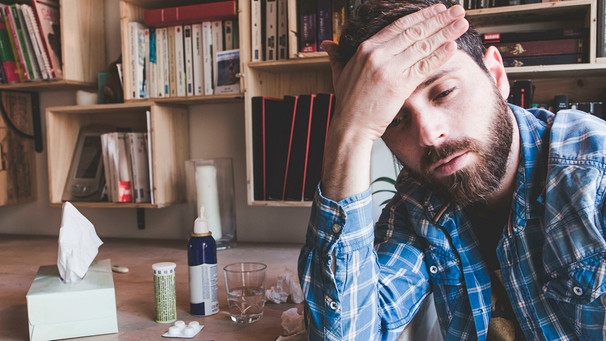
164,268
201,223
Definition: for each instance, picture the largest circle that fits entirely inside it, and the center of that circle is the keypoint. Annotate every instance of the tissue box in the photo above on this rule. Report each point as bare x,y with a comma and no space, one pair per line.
58,311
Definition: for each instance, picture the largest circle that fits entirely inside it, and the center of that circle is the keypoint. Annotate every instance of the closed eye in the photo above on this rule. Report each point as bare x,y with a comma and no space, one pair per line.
444,94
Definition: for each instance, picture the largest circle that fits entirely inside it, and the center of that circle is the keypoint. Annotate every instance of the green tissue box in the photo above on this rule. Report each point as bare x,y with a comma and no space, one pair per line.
57,310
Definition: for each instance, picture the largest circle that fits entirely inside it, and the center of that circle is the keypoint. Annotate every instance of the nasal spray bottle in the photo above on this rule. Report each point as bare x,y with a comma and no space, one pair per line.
202,261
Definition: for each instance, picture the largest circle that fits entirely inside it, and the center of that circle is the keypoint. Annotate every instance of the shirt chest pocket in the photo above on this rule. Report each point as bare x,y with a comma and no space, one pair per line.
444,267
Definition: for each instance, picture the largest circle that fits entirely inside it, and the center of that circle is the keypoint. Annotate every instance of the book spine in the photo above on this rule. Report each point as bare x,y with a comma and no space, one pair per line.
6,54
339,10
271,20
39,42
47,15
217,45
307,26
24,74
152,63
228,35
255,20
282,40
540,47
189,66
324,22
191,14
514,37
29,49
172,62
31,28
140,171
180,60
207,53
164,53
198,59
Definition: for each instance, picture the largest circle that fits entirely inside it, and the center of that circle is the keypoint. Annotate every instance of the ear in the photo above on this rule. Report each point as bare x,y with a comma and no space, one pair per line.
494,64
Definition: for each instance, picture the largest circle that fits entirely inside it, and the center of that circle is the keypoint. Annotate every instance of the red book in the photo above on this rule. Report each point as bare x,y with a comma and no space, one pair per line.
540,47
47,14
190,14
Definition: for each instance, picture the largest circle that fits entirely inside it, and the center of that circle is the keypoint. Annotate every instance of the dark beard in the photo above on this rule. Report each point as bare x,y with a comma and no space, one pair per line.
475,183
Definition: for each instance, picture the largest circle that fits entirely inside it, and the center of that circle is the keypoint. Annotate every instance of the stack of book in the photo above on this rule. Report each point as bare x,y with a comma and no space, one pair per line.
549,47
126,165
289,134
185,51
30,42
320,20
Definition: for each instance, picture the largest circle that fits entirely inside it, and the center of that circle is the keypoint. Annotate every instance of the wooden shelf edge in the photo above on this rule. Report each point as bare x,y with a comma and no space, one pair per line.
191,100
551,71
50,85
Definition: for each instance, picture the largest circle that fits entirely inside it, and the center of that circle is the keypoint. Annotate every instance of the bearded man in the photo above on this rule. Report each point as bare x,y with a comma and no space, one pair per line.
499,210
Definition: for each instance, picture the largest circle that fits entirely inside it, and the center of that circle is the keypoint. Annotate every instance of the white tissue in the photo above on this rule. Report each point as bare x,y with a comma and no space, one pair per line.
294,326
287,285
78,244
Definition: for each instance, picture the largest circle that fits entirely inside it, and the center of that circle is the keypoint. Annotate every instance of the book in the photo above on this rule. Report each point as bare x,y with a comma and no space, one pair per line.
189,62
191,14
228,35
255,34
14,27
47,14
339,11
307,26
541,47
179,60
136,44
228,70
258,147
151,63
137,144
37,45
107,166
207,54
163,67
282,35
124,176
551,34
601,29
296,160
217,45
6,54
320,119
197,59
544,60
271,30
324,22
278,123
172,62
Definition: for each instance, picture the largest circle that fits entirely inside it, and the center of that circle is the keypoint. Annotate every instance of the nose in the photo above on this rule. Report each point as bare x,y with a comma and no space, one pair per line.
430,126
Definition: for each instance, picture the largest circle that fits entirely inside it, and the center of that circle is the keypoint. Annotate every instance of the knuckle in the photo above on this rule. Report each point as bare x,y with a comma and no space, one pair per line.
423,67
415,32
423,47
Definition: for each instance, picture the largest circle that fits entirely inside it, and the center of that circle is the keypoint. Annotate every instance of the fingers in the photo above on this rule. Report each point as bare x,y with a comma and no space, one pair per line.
431,33
397,27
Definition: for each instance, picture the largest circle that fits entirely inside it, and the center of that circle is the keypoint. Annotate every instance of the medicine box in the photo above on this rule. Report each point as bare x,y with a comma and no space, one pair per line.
57,310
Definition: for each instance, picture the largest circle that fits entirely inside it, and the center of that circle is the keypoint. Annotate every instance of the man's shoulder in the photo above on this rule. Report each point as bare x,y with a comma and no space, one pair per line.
575,134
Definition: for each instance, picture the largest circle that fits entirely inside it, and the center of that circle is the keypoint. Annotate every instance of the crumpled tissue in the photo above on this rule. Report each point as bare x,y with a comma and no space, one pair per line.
294,326
287,285
78,244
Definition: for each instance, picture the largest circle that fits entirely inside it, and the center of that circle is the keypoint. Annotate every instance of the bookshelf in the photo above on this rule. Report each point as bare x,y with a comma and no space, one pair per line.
310,73
82,48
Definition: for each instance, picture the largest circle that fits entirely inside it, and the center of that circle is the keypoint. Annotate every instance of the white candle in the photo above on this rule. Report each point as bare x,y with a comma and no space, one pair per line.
208,196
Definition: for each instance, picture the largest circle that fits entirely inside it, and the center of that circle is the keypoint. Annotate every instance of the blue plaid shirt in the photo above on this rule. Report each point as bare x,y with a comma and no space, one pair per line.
367,283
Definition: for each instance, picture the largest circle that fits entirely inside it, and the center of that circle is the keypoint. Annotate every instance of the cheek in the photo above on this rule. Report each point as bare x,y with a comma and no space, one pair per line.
404,148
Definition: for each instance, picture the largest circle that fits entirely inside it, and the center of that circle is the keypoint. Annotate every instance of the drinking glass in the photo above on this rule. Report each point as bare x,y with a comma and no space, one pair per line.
245,285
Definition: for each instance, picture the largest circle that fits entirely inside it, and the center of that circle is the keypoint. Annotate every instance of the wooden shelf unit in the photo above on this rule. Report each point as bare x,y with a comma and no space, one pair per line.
169,127
310,73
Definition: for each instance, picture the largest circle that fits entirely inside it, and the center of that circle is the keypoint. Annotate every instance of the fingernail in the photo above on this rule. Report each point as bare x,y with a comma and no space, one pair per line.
457,10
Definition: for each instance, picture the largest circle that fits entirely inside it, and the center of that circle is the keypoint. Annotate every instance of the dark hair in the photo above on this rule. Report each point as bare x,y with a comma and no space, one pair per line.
374,15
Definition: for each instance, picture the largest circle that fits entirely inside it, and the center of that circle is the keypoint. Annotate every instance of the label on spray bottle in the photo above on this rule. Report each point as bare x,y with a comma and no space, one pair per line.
203,289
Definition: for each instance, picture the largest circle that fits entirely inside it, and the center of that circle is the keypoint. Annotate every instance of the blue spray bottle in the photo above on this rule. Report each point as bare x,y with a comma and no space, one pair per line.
202,261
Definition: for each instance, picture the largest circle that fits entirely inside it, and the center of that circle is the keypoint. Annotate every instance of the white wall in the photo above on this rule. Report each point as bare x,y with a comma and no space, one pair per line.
215,131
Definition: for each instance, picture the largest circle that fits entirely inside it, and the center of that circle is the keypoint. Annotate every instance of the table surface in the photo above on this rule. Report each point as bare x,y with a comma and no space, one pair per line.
21,256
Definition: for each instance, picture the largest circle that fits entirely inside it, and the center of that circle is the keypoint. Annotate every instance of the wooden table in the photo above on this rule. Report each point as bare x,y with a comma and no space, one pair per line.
20,257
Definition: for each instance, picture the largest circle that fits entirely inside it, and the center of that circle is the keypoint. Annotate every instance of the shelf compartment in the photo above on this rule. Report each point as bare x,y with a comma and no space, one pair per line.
169,135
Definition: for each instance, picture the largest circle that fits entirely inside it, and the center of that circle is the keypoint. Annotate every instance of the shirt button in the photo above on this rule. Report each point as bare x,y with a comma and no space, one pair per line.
603,299
433,269
577,291
336,228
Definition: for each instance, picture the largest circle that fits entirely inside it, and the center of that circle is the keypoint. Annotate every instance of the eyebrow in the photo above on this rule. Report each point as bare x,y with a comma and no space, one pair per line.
435,77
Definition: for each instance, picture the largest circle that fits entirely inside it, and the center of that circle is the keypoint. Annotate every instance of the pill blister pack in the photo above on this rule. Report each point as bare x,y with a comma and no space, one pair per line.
182,330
